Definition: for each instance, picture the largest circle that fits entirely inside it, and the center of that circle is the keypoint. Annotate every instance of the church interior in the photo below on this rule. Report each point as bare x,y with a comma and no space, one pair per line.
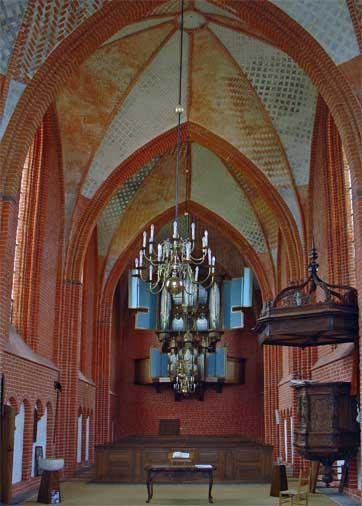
180,251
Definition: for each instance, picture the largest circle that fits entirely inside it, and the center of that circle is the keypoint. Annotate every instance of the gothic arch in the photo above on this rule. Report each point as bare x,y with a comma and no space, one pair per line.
83,228
209,218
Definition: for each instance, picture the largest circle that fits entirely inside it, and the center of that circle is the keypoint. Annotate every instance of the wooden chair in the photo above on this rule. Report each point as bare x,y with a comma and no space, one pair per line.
298,496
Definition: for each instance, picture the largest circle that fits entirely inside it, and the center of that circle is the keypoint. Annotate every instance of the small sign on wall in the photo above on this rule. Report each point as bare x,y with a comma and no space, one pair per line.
39,454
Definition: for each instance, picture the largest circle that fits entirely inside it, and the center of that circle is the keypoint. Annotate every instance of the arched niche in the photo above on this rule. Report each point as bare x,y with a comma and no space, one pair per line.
17,474
39,436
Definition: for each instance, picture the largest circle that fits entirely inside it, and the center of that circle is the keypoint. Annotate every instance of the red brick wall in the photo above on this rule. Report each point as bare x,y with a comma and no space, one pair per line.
29,382
327,224
87,395
119,331
89,307
237,410
39,251
49,241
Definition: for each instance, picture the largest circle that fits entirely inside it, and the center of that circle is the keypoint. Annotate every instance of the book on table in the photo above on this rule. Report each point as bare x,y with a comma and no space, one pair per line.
180,455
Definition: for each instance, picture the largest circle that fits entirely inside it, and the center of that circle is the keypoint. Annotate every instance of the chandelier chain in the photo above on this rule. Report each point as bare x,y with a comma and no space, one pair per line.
179,112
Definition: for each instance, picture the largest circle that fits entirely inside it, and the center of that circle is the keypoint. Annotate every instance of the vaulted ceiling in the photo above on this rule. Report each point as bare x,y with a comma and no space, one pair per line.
239,90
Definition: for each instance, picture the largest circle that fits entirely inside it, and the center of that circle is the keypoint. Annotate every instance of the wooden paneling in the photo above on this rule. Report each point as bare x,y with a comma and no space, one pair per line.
237,459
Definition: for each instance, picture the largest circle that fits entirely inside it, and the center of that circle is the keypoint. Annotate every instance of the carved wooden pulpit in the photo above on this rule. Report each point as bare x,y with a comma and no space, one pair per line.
327,429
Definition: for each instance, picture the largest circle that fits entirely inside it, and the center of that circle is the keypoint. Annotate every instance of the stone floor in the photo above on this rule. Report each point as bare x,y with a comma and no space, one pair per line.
90,494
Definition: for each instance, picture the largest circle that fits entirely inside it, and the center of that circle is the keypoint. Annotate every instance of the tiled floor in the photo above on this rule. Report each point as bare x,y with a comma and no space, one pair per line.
77,493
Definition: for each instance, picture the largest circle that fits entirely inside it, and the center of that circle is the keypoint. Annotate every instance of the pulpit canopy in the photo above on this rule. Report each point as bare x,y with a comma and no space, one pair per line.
310,313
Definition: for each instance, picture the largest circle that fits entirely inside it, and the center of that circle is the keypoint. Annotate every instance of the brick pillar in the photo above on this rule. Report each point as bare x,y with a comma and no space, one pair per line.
68,360
28,440
8,222
103,375
272,366
357,209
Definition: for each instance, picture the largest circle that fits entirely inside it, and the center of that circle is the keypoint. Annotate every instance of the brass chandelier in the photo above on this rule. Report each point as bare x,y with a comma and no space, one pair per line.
173,263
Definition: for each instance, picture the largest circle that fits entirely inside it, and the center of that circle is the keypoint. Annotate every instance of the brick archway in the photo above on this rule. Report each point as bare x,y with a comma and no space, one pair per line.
70,317
211,219
82,229
104,327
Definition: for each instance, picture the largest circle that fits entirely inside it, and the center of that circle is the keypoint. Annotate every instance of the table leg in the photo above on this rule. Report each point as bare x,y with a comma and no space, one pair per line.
149,487
210,486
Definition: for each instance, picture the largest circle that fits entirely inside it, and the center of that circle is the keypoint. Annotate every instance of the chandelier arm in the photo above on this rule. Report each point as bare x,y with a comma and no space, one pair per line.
158,280
202,281
148,258
209,285
199,260
209,271
153,289
144,279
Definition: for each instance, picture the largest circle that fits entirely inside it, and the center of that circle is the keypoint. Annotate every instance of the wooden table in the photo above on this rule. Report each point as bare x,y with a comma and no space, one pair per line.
177,473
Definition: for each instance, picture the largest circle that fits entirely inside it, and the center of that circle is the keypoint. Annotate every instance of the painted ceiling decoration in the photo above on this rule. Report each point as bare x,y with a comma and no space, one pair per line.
233,206
236,86
128,212
147,112
85,109
286,92
268,101
323,20
36,28
265,215
225,102
138,27
11,15
112,214
151,200
48,23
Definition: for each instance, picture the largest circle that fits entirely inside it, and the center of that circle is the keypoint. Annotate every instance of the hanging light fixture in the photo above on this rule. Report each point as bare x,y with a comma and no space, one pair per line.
173,263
